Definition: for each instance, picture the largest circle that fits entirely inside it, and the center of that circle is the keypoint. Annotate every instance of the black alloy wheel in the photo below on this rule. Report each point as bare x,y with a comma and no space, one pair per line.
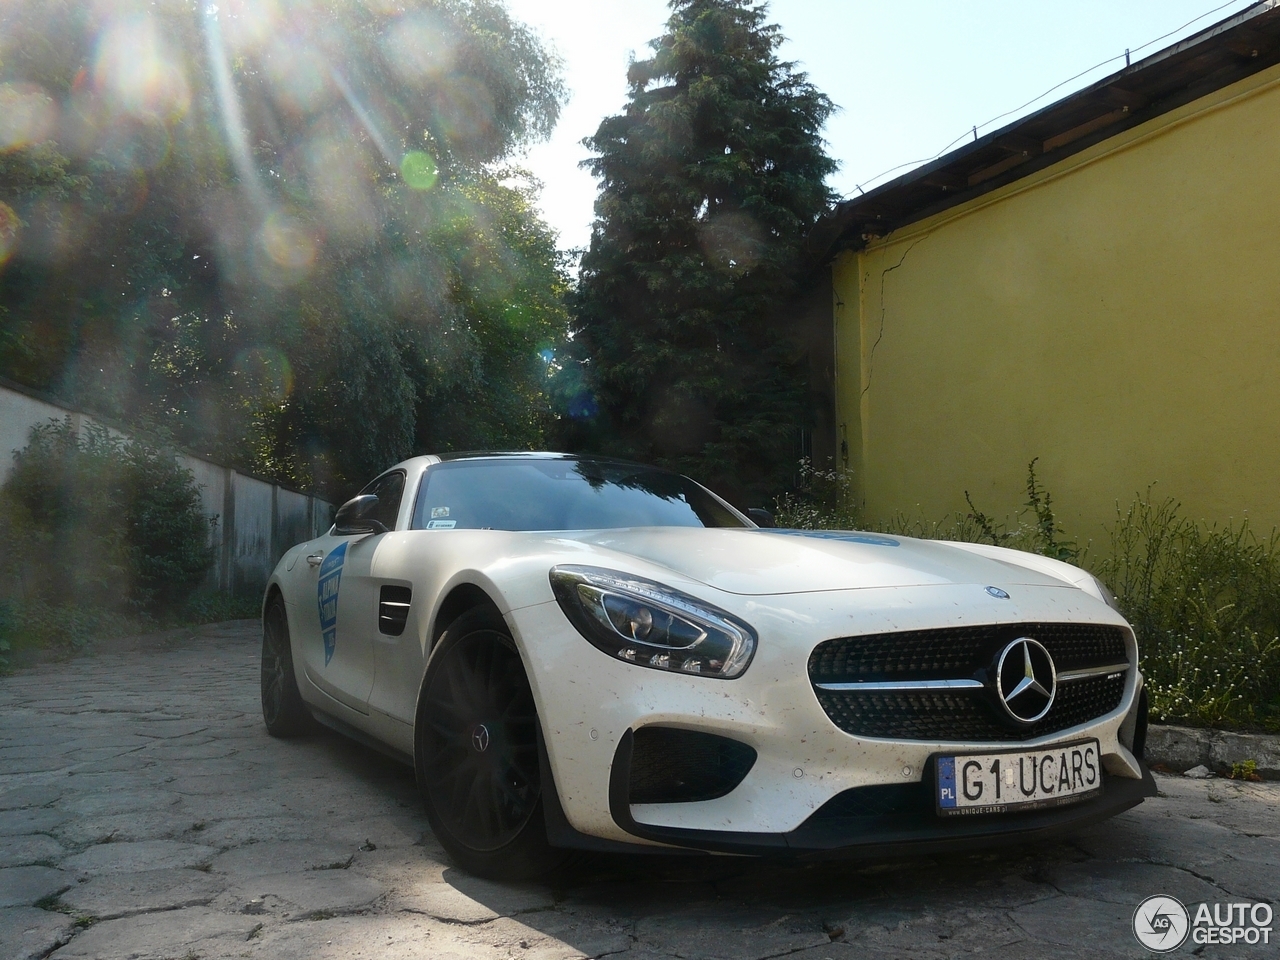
283,710
476,752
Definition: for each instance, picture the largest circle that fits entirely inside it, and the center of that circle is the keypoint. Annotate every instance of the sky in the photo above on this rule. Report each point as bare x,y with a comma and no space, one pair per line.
908,78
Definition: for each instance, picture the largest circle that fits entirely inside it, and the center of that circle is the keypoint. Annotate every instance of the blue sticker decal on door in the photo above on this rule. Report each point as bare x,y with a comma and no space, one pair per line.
327,598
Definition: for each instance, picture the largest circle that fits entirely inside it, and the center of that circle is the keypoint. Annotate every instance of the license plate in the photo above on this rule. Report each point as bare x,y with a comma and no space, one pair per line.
977,783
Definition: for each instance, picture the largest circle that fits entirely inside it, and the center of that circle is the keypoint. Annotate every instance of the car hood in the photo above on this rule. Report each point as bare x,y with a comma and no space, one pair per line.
765,562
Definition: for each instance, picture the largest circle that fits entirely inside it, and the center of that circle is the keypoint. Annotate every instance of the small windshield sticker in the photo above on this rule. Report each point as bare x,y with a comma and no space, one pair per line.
870,538
327,598
439,512
441,524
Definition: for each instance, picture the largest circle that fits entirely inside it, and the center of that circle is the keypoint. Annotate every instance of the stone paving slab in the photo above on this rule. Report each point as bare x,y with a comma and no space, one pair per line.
26,886
302,895
150,816
469,900
143,825
130,857
275,856
111,895
34,848
117,801
168,933
35,795
27,933
17,823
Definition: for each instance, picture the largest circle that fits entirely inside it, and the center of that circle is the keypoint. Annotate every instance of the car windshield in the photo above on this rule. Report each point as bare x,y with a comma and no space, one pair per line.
532,494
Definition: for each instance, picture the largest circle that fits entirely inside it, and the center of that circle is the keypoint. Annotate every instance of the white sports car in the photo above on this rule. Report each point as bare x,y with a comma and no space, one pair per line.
575,652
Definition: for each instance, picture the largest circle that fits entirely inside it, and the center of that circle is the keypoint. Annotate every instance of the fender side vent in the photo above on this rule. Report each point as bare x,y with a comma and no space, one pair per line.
393,610
685,766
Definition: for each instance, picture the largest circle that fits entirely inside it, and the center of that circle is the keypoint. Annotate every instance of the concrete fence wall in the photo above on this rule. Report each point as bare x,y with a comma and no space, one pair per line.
257,521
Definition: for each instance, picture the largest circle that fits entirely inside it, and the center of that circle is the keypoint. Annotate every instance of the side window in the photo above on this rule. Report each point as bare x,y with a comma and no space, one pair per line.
388,488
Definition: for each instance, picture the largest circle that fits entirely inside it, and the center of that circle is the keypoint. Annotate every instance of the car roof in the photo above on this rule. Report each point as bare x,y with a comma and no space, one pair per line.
540,455
431,459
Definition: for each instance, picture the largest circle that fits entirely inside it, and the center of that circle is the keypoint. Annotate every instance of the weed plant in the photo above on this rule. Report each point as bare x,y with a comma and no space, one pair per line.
1203,599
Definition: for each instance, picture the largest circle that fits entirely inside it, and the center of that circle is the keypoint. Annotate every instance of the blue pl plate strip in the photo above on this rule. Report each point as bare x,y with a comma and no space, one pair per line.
947,782
327,598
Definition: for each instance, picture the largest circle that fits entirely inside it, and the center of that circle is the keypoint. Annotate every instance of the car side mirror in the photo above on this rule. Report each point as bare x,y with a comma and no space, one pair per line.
352,517
761,517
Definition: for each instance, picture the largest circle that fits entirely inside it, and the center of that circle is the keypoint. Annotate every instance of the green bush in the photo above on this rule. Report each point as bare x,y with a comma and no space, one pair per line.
1204,600
101,524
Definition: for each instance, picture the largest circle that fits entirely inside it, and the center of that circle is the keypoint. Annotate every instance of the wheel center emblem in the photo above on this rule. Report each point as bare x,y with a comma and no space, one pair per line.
480,738
1026,680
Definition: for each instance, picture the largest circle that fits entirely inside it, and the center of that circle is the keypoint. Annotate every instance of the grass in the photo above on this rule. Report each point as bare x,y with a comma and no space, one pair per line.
1203,599
32,626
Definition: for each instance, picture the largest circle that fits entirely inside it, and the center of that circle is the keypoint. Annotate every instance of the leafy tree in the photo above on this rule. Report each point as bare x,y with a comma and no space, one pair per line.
709,180
285,230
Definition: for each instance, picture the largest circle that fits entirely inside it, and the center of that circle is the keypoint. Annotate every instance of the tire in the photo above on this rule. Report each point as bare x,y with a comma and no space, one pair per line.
283,710
476,753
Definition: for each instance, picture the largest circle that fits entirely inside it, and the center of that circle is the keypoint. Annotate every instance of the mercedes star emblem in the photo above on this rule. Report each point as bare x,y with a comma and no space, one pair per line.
1026,680
480,738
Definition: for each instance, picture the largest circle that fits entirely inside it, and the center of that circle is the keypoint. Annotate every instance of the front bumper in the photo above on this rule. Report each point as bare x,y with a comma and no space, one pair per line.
890,821
590,704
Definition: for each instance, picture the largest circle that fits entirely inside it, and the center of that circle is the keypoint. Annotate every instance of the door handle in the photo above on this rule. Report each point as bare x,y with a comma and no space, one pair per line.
316,559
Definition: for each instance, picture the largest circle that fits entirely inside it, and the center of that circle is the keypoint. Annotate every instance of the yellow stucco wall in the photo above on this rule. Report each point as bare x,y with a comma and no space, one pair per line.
1116,315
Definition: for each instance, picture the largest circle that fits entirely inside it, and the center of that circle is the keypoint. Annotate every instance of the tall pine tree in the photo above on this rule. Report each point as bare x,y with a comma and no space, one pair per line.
710,179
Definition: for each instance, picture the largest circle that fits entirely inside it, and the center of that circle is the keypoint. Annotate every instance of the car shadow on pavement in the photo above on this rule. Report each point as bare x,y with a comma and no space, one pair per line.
739,907
1028,899
602,903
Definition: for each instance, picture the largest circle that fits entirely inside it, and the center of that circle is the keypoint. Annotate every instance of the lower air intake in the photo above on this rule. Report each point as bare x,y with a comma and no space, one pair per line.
685,766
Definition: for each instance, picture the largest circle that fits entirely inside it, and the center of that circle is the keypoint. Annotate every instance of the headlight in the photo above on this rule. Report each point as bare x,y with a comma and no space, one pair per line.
1108,597
651,625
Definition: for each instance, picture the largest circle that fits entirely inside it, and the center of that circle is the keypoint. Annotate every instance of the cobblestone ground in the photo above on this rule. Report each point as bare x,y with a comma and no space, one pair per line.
145,813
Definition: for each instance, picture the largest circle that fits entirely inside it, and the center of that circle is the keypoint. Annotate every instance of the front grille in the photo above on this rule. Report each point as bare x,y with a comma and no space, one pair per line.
962,653
685,766
954,652
961,715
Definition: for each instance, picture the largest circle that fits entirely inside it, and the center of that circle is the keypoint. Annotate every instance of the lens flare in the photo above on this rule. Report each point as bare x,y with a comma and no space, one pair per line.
28,115
124,195
338,179
465,109
134,71
230,109
9,224
141,144
732,241
419,170
420,47
289,246
268,370
53,232
298,75
249,24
